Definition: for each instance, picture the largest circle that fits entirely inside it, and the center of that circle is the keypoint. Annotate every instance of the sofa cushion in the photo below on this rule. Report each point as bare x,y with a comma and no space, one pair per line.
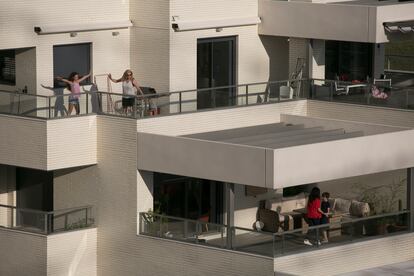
359,209
342,205
294,202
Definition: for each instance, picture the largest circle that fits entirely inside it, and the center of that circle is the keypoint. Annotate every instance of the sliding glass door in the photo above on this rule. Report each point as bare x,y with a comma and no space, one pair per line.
216,66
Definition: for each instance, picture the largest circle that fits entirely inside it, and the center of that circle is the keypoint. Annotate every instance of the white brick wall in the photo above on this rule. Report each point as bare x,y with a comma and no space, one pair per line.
362,113
298,48
348,258
317,60
110,54
70,253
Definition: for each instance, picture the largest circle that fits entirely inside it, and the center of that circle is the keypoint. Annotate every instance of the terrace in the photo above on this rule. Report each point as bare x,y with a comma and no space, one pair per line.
395,92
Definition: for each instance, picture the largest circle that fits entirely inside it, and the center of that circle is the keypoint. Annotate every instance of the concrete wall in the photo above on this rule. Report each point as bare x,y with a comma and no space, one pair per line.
348,258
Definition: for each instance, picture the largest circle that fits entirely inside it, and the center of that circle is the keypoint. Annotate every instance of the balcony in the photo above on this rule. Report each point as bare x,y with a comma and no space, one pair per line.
48,243
269,244
331,20
46,223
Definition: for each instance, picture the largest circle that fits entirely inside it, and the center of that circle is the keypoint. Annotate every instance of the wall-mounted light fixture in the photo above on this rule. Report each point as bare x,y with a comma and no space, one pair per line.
115,33
73,34
181,25
82,27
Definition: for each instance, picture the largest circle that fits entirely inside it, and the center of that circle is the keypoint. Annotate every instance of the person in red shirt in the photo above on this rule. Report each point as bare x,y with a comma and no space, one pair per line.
314,212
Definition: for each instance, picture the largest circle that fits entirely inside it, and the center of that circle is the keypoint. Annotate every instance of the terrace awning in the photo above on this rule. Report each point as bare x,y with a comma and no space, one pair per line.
298,150
399,27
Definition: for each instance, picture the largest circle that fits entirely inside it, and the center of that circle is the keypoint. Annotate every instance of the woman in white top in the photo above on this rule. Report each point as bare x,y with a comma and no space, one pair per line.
130,87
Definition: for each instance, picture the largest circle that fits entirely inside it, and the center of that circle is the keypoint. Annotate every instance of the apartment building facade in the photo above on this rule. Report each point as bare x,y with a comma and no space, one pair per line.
105,192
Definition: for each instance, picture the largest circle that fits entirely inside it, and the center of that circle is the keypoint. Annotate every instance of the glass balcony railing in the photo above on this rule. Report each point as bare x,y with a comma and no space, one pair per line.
348,230
381,93
35,221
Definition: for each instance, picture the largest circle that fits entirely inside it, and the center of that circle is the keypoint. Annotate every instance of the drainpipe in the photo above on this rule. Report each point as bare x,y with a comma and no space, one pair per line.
229,213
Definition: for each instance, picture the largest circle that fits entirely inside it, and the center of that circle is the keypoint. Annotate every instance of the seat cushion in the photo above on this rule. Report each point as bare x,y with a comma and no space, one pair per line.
342,205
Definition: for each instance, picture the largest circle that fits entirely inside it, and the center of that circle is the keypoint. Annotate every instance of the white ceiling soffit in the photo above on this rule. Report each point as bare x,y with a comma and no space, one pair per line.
183,25
295,152
82,27
399,27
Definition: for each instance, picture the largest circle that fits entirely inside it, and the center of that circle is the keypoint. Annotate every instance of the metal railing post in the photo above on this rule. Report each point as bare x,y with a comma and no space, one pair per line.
66,221
50,110
197,229
331,89
185,229
317,238
46,224
87,103
180,102
407,103
160,233
135,107
86,216
274,245
247,94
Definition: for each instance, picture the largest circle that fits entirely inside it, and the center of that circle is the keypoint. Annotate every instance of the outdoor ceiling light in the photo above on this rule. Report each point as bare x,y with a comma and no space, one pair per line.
83,27
182,25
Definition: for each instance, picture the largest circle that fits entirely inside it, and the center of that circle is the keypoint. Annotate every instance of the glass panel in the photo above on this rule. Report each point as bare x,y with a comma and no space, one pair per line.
255,242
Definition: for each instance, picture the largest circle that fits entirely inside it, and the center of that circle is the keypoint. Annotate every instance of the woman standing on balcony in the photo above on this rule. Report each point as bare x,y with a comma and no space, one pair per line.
314,212
73,83
130,87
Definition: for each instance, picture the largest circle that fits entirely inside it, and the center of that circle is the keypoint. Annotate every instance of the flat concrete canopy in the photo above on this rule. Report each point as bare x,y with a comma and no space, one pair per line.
358,21
298,150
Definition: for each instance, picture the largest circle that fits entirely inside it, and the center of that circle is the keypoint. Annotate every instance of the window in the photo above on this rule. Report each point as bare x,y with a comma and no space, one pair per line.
7,67
71,58
348,60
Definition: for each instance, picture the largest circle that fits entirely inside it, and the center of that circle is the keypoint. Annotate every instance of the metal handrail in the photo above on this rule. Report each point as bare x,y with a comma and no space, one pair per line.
231,234
348,221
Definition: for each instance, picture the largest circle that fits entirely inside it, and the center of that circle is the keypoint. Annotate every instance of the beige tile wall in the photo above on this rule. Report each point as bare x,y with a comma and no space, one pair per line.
347,258
72,253
23,254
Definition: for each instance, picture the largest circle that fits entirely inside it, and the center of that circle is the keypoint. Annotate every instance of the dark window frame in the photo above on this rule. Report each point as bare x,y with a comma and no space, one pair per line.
57,68
8,54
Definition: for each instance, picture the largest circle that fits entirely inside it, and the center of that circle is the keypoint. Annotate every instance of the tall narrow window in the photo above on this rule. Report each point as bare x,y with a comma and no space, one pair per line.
71,58
7,67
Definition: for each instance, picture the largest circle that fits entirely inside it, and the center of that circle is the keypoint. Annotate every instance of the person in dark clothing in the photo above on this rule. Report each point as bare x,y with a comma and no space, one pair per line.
326,209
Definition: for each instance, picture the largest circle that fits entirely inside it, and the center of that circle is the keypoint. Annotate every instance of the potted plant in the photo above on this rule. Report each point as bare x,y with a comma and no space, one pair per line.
382,199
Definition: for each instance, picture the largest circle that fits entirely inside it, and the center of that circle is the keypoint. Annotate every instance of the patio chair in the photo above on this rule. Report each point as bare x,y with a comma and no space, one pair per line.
345,88
270,219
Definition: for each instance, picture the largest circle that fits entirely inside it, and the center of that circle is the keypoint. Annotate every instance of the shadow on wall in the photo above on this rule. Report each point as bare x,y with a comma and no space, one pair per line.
277,49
